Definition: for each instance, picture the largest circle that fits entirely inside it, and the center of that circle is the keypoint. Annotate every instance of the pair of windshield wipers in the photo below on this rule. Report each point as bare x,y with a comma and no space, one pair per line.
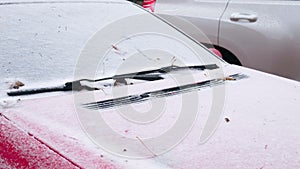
148,75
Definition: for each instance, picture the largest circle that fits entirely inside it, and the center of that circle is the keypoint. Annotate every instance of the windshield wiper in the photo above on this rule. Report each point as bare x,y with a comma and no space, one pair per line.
148,75
137,98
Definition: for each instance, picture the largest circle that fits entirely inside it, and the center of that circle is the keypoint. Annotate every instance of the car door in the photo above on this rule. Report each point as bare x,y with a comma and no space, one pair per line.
198,18
263,34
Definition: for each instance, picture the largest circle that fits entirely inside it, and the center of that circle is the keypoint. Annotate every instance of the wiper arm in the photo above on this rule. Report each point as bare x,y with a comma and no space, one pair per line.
163,70
76,85
147,75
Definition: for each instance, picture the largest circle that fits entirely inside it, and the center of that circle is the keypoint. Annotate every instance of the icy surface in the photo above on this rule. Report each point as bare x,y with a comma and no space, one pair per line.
40,46
40,43
253,137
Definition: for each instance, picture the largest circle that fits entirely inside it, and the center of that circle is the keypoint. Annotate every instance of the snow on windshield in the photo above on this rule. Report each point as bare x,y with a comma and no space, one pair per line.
41,43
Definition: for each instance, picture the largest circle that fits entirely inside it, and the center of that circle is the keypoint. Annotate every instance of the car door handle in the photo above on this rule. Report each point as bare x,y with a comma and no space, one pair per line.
243,16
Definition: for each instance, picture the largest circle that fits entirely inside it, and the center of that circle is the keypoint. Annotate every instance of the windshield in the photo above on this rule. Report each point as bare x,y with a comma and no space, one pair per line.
44,44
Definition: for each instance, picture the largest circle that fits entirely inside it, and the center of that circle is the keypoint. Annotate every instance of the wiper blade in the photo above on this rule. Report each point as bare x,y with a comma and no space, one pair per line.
172,91
148,75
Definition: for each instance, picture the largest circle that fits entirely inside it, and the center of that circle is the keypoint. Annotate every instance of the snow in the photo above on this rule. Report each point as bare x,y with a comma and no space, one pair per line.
20,150
241,142
41,47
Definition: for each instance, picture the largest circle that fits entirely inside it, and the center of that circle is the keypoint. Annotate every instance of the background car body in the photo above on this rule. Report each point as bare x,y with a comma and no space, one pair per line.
41,43
262,34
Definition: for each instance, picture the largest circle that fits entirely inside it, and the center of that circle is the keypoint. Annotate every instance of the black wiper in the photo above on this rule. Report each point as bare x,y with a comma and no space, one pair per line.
148,75
110,103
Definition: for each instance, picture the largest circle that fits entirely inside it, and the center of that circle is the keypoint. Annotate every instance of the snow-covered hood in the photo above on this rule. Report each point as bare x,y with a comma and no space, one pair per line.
257,128
196,119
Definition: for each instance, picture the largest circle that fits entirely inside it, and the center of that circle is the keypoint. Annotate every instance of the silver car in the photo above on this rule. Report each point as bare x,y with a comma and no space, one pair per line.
263,34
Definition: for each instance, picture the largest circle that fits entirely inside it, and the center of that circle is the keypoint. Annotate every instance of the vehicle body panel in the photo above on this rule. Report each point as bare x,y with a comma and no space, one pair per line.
262,110
19,149
203,15
254,137
268,43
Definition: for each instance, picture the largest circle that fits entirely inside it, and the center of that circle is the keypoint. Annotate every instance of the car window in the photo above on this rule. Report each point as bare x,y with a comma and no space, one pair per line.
42,43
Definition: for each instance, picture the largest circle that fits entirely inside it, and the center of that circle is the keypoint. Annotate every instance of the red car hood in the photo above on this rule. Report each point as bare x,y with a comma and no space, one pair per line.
259,128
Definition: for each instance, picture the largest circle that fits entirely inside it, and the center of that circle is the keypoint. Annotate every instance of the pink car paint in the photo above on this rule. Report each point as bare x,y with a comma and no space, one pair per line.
216,52
20,149
149,4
